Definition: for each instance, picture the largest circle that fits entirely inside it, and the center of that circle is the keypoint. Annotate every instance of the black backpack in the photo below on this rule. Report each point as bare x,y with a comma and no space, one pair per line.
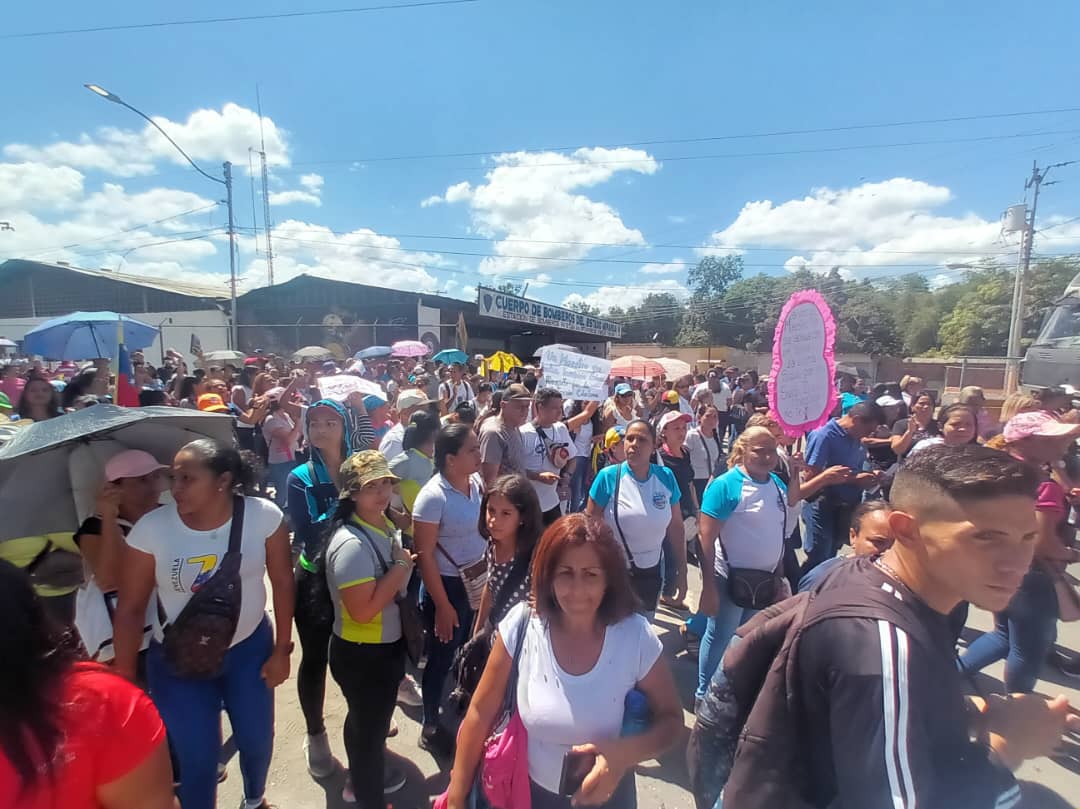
746,737
196,643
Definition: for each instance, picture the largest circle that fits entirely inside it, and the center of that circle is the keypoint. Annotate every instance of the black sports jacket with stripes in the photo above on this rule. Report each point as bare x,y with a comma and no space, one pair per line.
886,719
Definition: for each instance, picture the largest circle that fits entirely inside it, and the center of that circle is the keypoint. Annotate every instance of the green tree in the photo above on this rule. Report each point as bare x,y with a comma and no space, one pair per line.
656,319
979,323
510,288
585,308
709,280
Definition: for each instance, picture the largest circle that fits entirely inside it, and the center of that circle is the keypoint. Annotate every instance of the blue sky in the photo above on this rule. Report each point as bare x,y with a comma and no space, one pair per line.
513,80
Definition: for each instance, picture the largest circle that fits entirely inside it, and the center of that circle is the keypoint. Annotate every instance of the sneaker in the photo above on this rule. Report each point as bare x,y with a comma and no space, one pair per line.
393,780
347,794
408,693
320,761
222,773
437,740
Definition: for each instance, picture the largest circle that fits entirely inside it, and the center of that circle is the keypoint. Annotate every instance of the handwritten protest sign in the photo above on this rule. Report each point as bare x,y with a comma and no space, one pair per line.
338,388
802,394
576,376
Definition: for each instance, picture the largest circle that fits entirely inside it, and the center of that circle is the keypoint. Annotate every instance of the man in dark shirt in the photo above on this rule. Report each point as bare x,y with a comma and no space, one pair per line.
887,693
828,515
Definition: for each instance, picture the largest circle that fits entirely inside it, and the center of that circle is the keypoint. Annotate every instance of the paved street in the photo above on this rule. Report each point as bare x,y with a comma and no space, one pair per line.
1053,784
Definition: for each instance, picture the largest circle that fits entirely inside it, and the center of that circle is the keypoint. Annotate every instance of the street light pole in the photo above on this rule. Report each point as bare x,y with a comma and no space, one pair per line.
227,182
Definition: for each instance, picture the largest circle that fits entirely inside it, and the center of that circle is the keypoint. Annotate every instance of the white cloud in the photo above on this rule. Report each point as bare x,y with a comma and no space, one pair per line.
607,297
885,224
310,194
660,268
312,182
209,136
539,281
527,206
33,187
361,256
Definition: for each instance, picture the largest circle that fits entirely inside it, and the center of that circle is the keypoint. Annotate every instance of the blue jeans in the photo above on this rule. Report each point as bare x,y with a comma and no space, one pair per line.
827,525
1023,634
191,710
579,494
440,655
718,632
279,477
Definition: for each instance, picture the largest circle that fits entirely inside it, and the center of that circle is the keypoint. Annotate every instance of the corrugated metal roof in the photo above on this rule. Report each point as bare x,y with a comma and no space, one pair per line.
151,282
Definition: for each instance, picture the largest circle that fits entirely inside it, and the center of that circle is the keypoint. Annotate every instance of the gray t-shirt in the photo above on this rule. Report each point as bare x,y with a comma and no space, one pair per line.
351,560
458,518
502,445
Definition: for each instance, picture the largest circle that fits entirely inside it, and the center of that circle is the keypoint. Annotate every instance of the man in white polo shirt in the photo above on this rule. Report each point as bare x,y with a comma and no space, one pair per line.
546,442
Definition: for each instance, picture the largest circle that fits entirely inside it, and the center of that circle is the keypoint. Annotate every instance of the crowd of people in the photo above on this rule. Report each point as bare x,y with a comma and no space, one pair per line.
487,551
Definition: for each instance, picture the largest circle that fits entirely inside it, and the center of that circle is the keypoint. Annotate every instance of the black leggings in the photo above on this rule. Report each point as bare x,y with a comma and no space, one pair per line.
314,630
368,674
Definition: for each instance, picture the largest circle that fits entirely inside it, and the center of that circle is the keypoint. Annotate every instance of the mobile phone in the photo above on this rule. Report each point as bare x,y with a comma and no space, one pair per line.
575,766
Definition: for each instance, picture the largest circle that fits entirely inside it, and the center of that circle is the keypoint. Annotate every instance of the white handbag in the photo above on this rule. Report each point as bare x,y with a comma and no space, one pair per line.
93,621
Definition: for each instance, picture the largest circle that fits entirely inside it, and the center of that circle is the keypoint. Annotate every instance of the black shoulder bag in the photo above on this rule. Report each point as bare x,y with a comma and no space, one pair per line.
757,589
197,641
618,528
472,655
412,623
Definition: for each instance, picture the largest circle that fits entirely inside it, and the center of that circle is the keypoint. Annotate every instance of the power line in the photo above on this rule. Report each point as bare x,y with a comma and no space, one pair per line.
38,251
703,139
637,248
246,18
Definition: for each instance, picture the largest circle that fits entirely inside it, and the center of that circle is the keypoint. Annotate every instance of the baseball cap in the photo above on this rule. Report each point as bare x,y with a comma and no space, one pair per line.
671,417
671,397
1037,424
889,401
212,403
361,469
412,397
131,463
252,361
516,391
371,401
622,389
613,436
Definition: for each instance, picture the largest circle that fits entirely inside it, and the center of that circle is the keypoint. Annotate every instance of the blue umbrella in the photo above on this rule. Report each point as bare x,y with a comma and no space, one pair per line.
450,356
373,352
87,336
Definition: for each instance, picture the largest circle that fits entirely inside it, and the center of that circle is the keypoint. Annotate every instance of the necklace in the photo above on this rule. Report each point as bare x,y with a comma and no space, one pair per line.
880,562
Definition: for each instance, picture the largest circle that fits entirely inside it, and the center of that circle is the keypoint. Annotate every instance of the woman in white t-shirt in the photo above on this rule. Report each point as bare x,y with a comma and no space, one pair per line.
639,500
746,515
583,651
173,551
704,444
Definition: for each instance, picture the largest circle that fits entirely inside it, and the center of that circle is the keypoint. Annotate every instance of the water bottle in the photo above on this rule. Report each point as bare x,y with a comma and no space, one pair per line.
636,713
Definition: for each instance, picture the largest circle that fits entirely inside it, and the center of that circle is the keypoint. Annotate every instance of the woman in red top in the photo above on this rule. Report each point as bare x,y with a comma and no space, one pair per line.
55,714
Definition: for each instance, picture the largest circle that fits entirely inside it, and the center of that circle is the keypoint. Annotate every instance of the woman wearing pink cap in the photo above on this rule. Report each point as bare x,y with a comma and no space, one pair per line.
1025,632
133,484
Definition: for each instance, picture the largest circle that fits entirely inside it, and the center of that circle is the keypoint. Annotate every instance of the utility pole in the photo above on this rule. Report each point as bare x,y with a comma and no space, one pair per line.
267,223
1023,264
227,167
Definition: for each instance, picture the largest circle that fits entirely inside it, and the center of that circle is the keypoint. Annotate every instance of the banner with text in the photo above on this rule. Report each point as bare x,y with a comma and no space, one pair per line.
576,376
338,388
504,306
801,390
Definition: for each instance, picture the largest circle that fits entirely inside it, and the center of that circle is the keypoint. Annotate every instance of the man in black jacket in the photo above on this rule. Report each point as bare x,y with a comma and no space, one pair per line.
886,720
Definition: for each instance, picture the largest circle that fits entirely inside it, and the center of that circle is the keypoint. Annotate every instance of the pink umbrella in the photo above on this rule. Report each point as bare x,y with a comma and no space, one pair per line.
637,367
409,348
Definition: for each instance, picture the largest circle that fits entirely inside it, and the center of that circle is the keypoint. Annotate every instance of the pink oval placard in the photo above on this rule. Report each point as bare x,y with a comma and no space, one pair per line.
802,394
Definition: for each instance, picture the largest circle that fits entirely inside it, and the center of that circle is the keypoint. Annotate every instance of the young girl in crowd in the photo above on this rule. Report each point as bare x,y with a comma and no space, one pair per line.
39,400
582,651
282,435
172,551
511,521
367,569
415,465
71,734
446,520
959,426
